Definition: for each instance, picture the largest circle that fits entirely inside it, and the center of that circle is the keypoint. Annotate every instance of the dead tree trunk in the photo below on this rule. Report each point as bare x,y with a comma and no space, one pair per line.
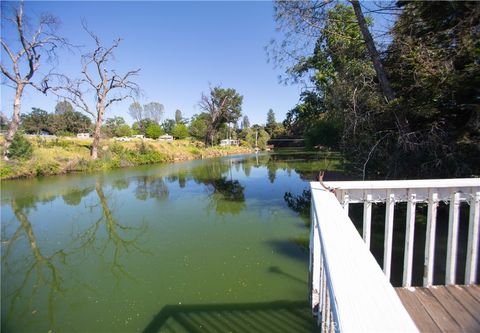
15,122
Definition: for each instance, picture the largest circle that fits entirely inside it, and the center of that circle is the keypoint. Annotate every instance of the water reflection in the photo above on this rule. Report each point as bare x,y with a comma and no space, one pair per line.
150,187
45,267
72,231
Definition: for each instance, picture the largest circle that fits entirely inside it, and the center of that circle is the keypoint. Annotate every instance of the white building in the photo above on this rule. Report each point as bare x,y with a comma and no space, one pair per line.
165,137
83,135
229,142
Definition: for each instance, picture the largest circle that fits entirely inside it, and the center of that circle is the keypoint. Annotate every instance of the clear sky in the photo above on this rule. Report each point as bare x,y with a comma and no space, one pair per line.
182,48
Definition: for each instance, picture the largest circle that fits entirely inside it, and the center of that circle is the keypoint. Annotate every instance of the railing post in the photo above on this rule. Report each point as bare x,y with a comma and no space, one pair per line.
430,239
346,202
387,250
367,219
452,239
472,245
409,239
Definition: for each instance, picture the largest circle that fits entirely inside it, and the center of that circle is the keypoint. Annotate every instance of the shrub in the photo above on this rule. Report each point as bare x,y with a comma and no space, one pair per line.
153,131
123,130
21,148
180,131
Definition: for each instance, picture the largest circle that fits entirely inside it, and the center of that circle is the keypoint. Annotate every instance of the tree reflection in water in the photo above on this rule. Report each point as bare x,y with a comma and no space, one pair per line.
150,187
43,271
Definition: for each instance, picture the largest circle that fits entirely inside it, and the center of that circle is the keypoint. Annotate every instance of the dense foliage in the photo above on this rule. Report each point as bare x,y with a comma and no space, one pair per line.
431,127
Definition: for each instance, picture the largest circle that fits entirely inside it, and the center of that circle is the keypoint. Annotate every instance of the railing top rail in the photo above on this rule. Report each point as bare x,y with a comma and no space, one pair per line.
363,297
396,184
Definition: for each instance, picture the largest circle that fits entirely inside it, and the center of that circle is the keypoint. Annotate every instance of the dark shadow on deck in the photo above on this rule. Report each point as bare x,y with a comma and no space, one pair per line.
279,316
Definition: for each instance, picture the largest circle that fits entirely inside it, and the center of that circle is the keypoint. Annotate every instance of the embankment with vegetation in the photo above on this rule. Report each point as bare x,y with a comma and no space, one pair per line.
64,155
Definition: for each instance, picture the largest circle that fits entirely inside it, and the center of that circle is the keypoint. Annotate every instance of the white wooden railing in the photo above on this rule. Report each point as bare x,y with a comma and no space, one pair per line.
349,291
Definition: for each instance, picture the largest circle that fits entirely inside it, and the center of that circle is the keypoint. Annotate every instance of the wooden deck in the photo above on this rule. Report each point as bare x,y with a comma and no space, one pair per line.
443,308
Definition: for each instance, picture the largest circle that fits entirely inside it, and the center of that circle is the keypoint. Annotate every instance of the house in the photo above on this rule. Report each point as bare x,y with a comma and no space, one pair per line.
165,137
83,135
123,138
229,142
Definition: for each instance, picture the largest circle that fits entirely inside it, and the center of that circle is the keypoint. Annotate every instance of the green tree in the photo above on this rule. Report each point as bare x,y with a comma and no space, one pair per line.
168,125
21,148
271,122
36,121
141,127
63,107
153,131
178,117
123,130
256,137
71,122
222,106
198,126
180,131
112,125
245,122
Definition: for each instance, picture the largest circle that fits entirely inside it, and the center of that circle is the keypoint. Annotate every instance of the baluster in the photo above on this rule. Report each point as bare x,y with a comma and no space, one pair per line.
472,245
387,253
430,239
367,219
409,239
346,202
452,238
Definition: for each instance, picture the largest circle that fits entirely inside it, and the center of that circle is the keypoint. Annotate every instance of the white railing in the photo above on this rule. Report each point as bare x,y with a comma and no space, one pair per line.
349,291
432,191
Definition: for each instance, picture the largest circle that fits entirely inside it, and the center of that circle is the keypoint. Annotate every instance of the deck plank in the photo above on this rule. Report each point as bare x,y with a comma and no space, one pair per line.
417,311
474,290
462,316
467,300
443,308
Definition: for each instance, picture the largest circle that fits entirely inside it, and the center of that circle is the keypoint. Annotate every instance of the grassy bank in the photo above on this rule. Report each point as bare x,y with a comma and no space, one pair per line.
64,155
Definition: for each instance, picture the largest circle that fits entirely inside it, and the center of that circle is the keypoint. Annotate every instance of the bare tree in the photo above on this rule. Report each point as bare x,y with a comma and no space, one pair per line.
154,111
25,60
108,86
135,110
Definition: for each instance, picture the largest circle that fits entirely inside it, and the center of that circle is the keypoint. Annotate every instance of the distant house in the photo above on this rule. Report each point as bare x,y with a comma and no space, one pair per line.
229,142
123,138
138,136
83,135
165,137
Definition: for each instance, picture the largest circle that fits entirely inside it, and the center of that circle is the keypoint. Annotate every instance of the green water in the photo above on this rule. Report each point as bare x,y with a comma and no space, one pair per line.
202,246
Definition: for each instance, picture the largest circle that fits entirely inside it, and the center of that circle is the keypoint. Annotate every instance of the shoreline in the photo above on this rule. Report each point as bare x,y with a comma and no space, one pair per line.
70,155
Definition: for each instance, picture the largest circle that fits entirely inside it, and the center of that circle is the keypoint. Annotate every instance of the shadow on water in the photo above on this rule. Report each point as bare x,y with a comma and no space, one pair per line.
278,316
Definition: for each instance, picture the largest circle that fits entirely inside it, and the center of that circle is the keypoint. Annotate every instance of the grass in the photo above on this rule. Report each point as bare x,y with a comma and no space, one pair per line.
65,155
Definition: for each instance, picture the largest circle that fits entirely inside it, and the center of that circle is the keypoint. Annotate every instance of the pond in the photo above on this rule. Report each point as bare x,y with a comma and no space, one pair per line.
201,246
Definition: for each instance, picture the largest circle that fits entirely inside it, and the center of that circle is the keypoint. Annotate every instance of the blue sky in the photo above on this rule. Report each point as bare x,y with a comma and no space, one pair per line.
182,48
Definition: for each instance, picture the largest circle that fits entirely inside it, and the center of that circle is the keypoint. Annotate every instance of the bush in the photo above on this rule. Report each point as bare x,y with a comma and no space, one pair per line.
123,130
21,148
153,131
180,131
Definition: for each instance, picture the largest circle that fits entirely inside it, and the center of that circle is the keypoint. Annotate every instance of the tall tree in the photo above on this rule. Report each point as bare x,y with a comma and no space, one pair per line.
222,106
33,43
135,110
245,122
154,111
63,107
178,116
271,122
108,86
